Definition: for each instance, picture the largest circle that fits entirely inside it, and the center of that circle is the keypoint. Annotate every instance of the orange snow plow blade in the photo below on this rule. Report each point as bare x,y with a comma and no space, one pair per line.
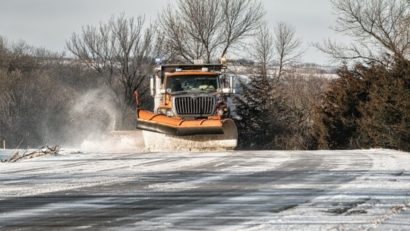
162,133
149,121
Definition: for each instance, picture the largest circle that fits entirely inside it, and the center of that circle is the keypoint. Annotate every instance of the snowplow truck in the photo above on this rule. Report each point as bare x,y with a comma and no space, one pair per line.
191,109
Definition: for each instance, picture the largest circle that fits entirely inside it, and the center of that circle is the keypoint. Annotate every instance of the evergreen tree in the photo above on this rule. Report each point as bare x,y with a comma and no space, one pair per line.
386,117
366,107
258,108
336,123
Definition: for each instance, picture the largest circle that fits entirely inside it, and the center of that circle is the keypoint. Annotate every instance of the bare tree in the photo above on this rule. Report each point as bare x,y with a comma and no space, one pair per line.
208,29
240,18
192,28
263,49
119,50
133,53
4,53
380,30
287,46
3,44
95,47
280,45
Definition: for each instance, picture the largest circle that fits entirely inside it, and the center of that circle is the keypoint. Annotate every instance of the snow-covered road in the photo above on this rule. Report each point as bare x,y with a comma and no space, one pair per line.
249,190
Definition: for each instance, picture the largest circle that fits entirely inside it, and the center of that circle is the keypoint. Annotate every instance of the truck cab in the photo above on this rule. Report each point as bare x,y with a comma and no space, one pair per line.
192,91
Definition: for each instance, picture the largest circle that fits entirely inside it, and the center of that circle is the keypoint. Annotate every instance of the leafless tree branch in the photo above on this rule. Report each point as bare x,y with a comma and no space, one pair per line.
263,49
287,46
119,50
380,29
207,29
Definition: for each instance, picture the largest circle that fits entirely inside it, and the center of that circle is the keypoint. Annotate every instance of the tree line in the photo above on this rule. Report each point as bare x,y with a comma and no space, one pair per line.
366,106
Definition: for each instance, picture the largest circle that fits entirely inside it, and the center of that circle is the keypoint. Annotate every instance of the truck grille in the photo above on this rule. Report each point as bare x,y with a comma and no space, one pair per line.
195,106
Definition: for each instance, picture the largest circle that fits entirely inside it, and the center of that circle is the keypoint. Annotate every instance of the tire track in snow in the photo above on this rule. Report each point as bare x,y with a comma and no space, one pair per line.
231,191
222,193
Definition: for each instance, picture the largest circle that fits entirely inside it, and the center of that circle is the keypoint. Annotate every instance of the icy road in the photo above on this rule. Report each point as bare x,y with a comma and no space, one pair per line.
269,190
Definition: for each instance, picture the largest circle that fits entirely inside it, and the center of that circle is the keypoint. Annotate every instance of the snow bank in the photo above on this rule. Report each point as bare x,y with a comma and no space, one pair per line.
5,153
117,142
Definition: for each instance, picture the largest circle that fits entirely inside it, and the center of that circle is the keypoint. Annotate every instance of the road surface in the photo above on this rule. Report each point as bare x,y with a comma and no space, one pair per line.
246,190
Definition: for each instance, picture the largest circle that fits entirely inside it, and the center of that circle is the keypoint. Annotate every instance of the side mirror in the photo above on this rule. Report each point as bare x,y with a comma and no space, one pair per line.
230,89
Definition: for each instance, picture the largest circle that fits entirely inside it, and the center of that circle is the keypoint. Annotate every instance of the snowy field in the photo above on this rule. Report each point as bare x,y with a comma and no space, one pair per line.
249,190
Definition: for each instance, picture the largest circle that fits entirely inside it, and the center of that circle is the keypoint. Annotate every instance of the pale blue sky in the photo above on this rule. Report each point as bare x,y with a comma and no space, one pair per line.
49,23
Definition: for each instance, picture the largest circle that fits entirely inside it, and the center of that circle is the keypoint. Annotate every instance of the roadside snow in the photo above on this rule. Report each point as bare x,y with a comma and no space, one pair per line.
4,154
378,199
267,190
73,170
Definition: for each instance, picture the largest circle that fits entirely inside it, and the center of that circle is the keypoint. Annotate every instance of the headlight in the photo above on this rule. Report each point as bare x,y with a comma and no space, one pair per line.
165,111
162,111
220,111
170,113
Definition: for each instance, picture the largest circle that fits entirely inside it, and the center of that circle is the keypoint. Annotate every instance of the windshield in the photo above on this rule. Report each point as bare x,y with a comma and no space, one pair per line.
194,83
